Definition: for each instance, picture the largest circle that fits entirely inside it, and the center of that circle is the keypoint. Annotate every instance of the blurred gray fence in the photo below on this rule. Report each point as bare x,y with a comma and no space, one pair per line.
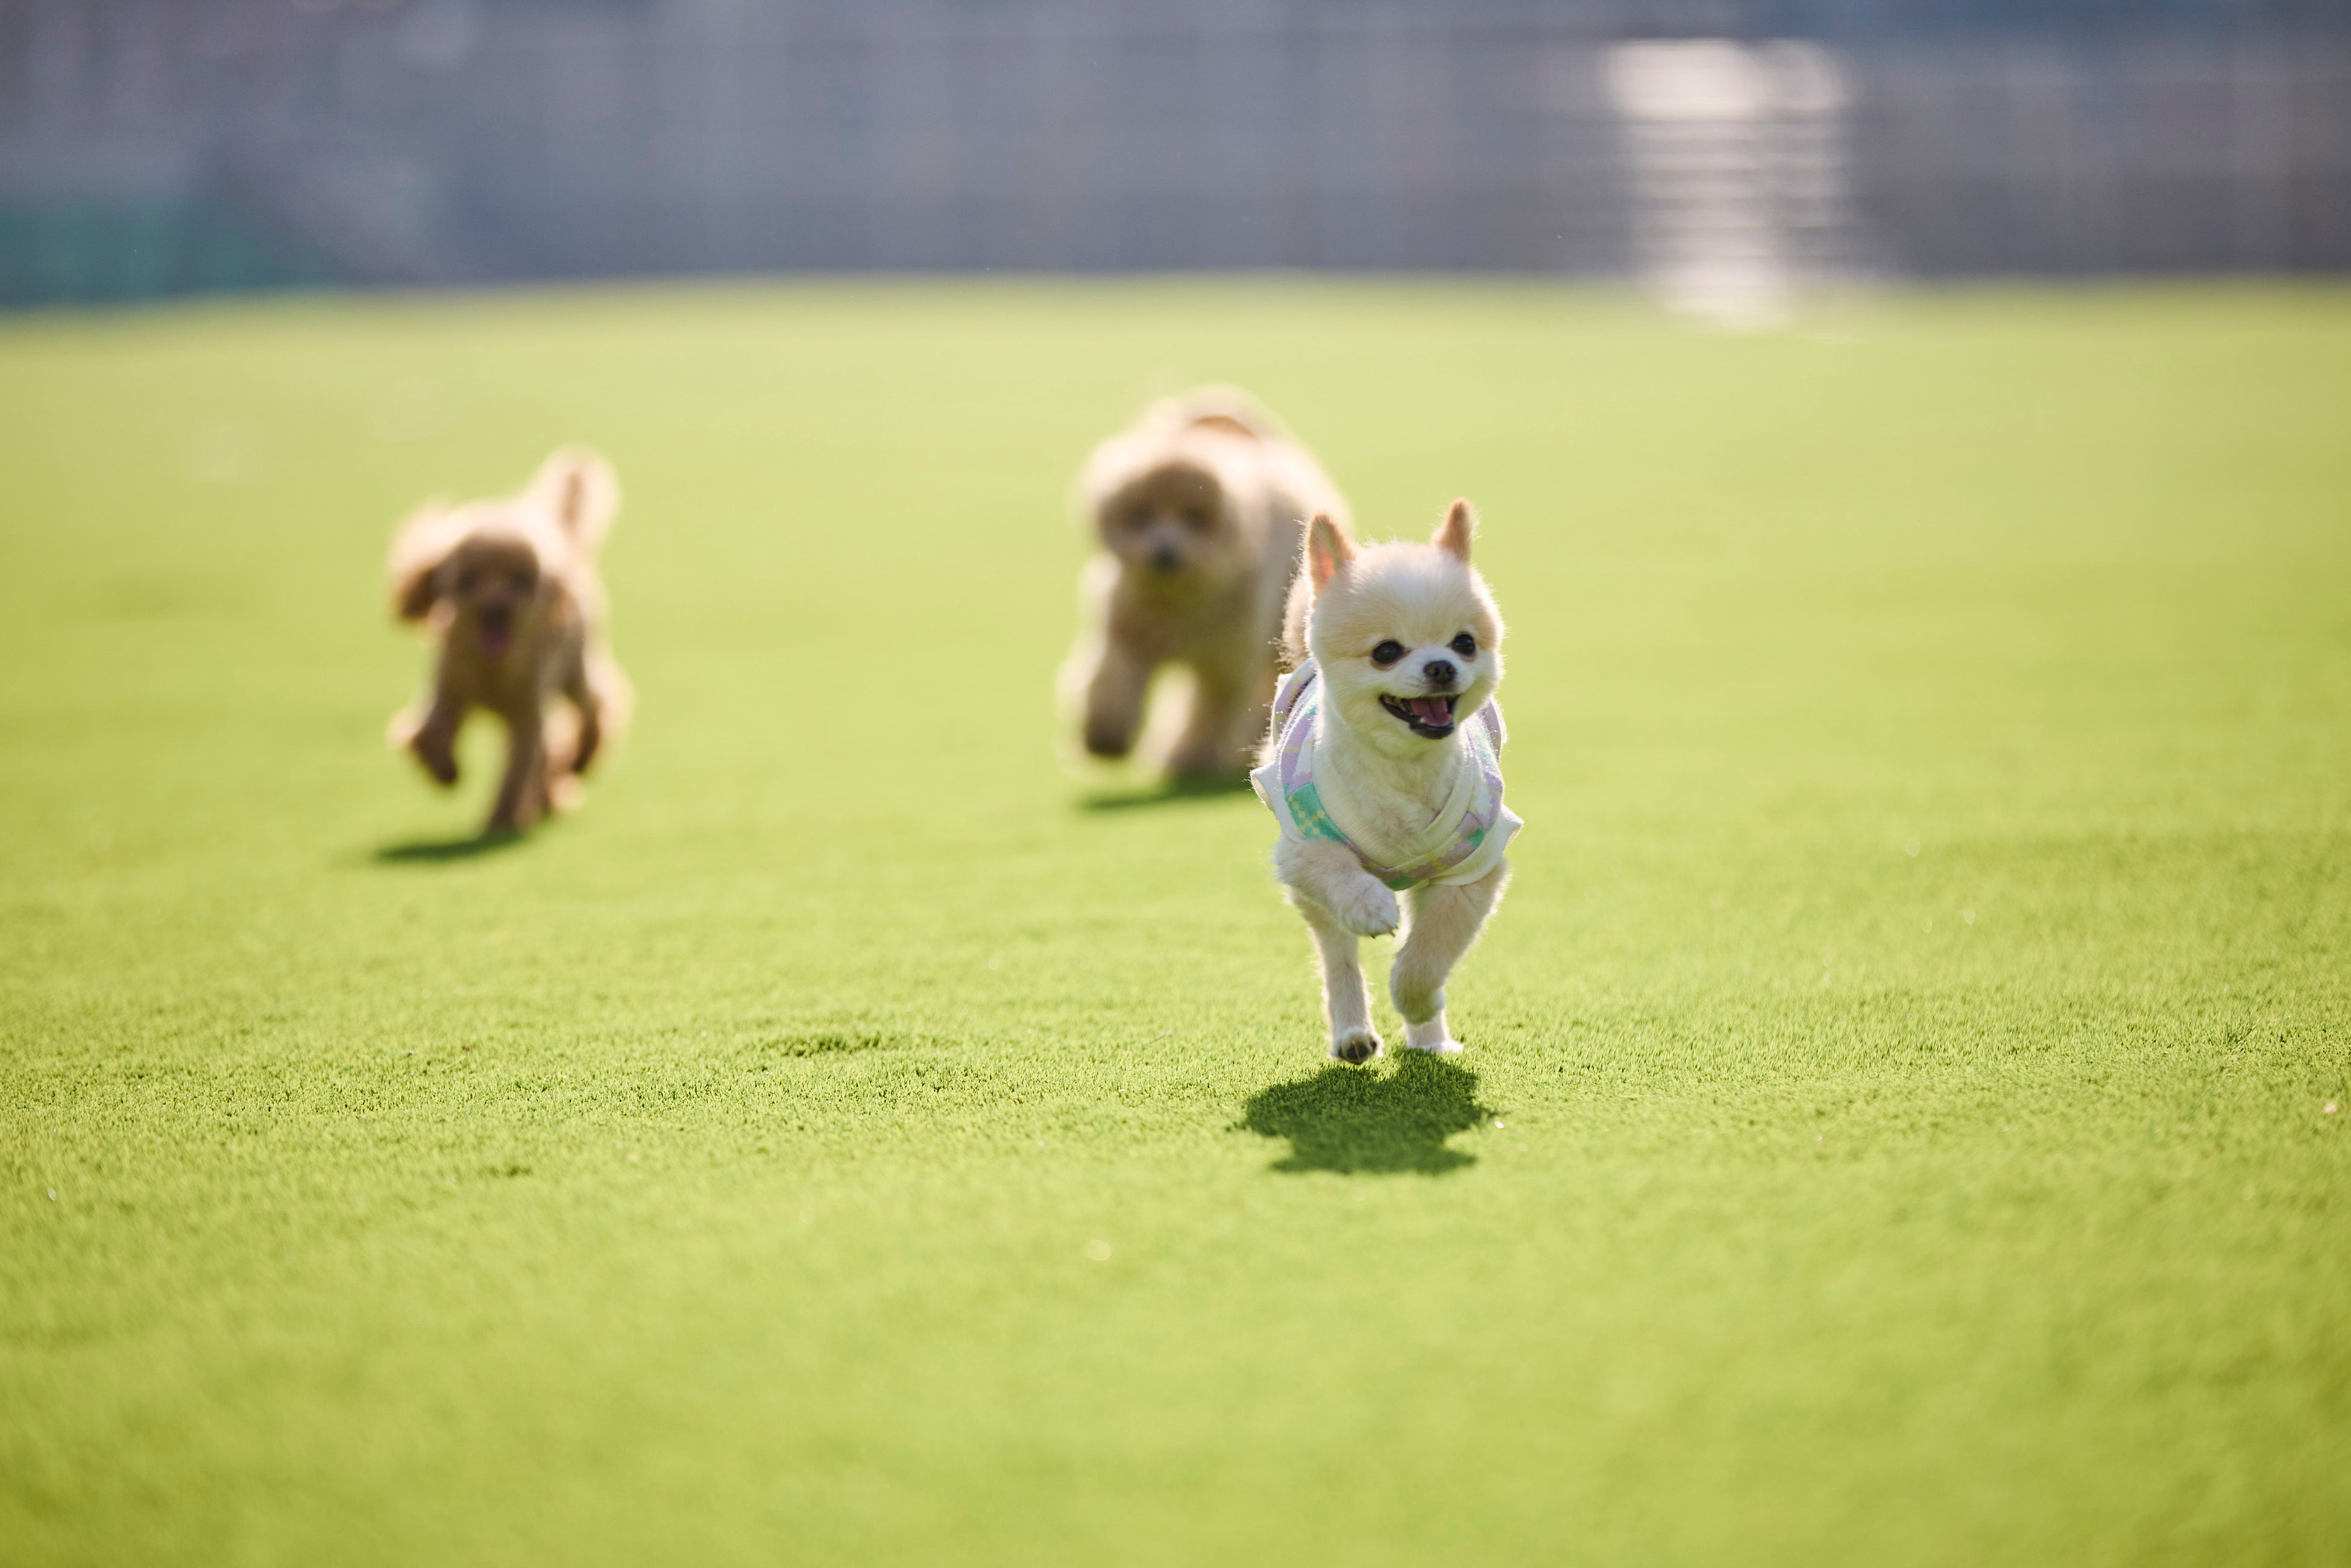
2163,156
153,144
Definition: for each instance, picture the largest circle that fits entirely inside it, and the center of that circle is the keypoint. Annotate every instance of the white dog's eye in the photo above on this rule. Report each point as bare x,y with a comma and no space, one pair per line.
1465,646
1387,653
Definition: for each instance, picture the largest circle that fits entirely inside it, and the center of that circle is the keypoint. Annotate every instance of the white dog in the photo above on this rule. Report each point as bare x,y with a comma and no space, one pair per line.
1382,766
1199,509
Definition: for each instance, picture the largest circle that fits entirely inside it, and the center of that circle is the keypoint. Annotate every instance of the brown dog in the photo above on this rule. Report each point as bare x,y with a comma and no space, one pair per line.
509,590
1199,509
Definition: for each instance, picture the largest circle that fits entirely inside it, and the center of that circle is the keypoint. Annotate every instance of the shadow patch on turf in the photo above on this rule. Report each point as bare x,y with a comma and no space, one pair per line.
835,1042
1357,1121
1170,792
431,851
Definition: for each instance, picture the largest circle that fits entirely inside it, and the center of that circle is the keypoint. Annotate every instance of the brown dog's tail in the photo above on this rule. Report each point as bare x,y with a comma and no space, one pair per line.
578,487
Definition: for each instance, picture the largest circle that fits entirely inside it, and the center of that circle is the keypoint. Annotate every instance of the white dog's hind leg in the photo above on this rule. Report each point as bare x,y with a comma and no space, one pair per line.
1445,921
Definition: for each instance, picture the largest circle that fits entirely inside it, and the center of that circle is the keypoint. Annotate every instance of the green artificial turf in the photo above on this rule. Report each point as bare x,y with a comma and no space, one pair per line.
1898,1122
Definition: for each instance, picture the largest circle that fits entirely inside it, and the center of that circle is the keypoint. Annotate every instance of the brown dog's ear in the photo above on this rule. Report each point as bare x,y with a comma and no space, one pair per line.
1454,534
582,490
420,547
1328,549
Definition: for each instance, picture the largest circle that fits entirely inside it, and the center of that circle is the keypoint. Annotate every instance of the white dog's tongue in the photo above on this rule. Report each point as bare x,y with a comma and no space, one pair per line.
1430,711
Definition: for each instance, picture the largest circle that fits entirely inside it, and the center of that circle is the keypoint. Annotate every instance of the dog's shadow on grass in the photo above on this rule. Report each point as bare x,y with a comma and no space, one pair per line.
433,851
1167,793
1359,1120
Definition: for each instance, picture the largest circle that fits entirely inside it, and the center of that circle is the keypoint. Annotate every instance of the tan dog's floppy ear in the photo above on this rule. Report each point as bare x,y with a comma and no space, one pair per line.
1454,534
420,547
1328,549
582,490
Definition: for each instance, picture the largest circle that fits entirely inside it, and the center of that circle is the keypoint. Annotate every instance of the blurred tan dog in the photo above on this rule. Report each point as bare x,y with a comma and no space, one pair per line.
509,588
1199,509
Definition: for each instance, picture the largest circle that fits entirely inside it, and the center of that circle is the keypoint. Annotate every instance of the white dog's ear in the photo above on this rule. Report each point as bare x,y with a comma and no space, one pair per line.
420,547
582,490
1328,549
1454,534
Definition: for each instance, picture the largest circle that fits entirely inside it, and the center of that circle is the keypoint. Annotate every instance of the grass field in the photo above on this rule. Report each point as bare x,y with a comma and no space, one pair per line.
1899,1118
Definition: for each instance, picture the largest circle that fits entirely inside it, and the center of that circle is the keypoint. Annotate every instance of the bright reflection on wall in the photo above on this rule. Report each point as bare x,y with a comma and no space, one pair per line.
1737,154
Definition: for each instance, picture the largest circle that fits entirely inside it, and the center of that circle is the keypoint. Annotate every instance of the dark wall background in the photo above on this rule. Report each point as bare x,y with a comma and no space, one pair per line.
148,146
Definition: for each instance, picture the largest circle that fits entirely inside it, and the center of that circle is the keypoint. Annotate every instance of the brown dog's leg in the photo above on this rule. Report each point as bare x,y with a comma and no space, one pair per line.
592,736
1114,694
589,702
558,740
432,735
522,793
598,696
1222,727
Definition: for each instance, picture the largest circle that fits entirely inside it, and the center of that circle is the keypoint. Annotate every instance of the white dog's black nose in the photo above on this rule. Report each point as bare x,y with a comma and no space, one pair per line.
1166,557
1438,673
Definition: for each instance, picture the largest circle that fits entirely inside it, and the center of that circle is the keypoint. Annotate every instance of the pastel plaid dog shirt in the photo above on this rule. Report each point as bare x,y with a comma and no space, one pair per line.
1464,841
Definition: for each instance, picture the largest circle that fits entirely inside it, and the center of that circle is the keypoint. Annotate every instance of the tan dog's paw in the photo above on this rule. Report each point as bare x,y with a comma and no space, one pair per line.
1356,1047
1366,908
1109,738
437,754
584,749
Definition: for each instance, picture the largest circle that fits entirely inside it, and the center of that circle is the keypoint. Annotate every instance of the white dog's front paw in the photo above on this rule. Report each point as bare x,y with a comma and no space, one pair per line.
1367,909
1354,1046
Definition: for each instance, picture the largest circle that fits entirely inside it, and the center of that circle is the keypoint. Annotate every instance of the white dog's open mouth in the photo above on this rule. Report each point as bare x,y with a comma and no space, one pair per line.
496,631
1428,716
